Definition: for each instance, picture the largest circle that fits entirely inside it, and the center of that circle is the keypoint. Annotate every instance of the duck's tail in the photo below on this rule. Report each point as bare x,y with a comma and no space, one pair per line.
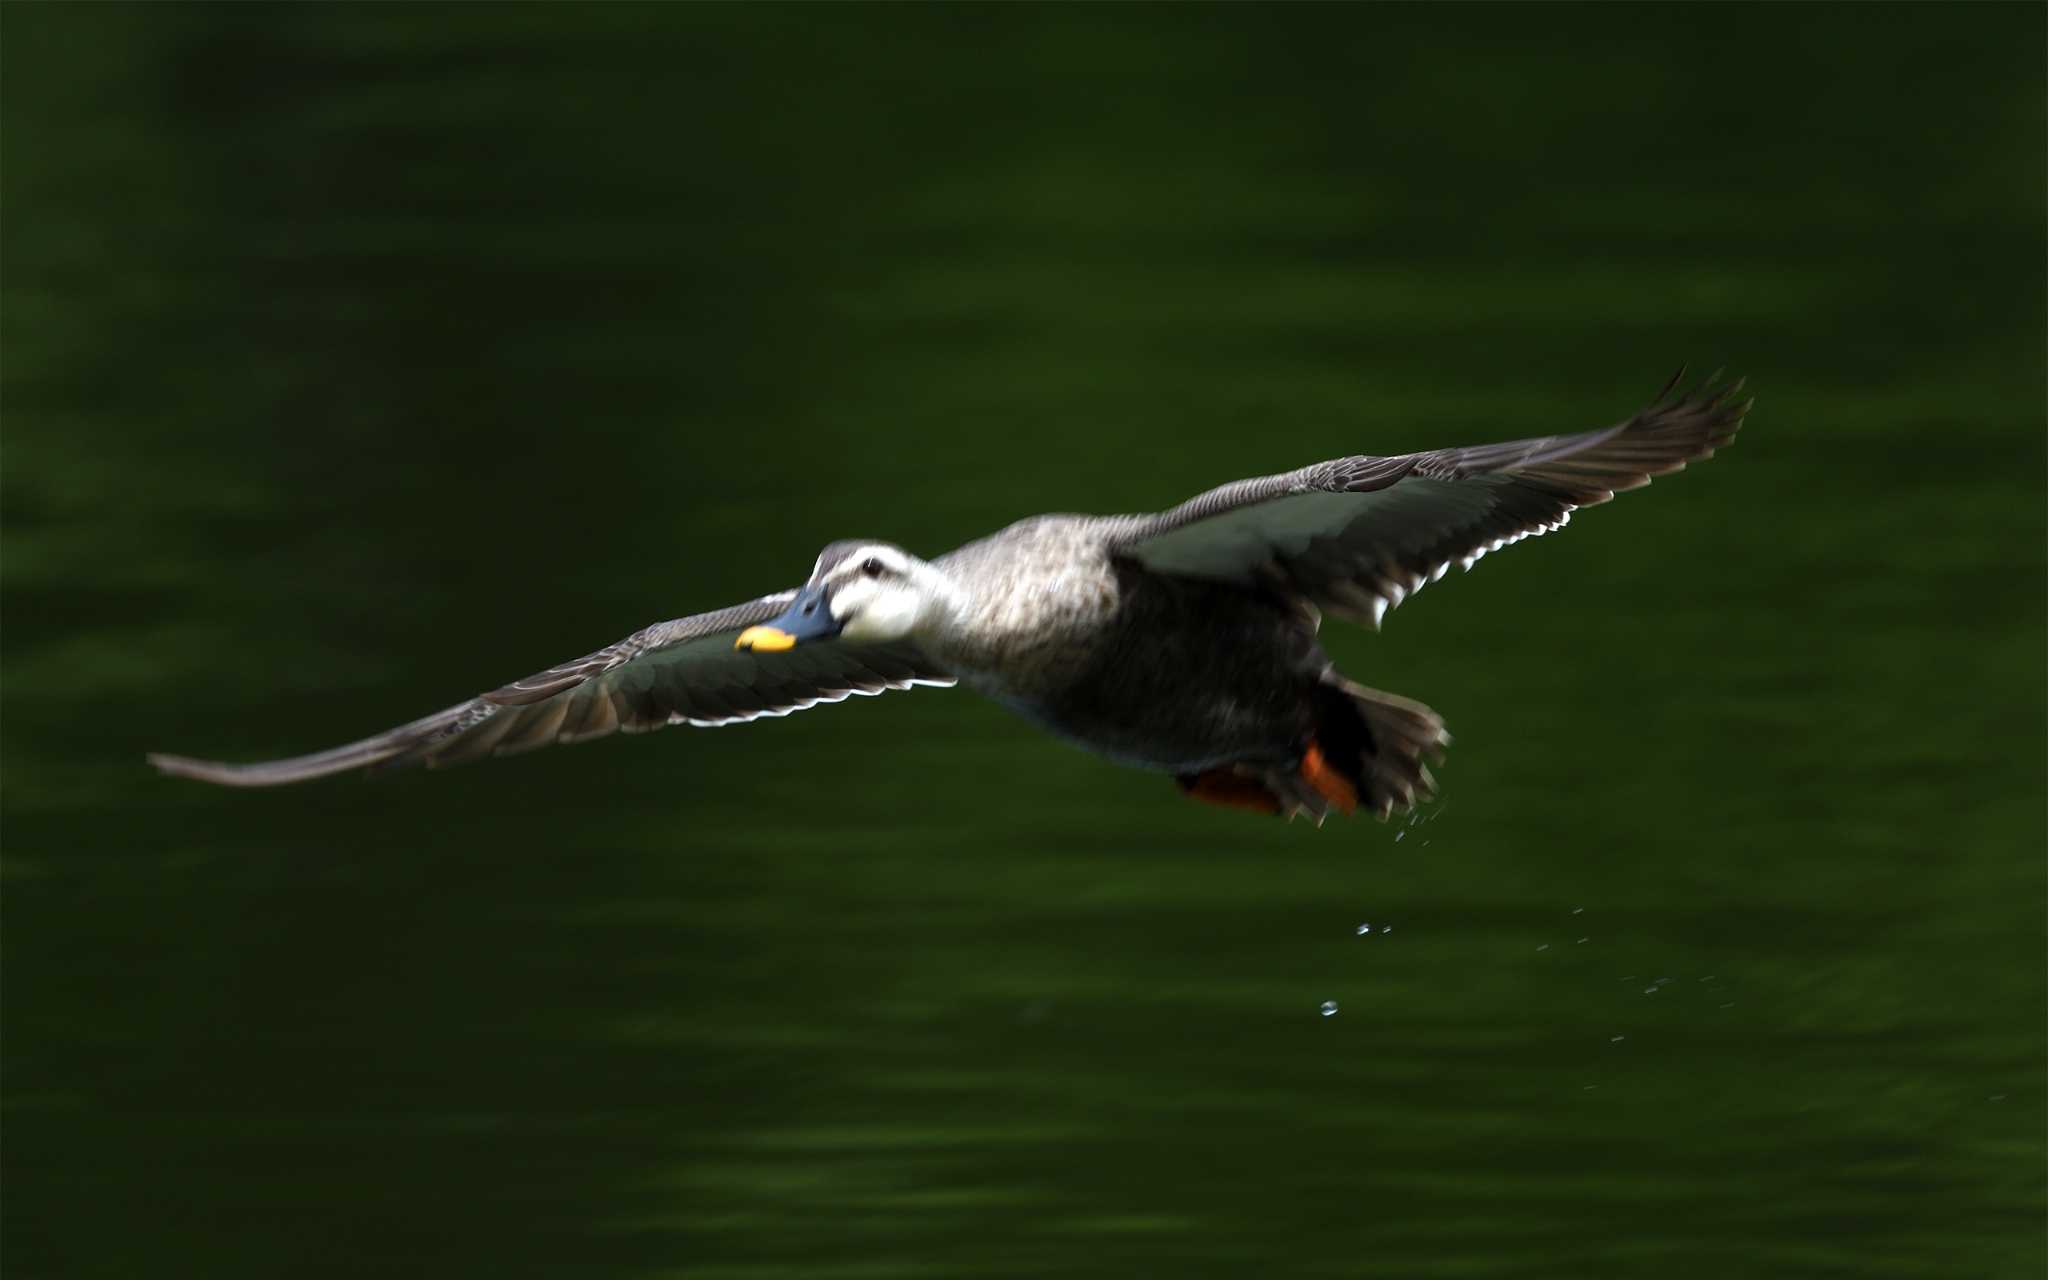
1367,751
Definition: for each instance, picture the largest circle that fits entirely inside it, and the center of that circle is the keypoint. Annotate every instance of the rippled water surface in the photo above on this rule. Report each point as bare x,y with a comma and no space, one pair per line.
359,358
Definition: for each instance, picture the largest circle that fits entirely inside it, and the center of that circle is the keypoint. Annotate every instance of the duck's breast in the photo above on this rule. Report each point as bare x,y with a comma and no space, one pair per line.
1042,597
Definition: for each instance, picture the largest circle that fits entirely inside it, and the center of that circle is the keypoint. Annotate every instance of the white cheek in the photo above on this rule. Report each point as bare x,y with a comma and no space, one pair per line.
886,615
851,600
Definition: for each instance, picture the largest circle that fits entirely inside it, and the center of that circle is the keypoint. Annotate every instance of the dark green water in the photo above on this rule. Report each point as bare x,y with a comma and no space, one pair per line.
359,358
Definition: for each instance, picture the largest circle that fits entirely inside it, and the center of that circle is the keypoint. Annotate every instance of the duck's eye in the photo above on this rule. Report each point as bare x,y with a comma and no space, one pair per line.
873,567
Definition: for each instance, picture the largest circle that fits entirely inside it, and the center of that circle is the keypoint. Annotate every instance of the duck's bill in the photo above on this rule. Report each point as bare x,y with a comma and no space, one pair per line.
765,640
809,617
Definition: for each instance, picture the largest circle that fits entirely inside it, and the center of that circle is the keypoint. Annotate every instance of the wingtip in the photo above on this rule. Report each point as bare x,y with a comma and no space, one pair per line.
214,771
185,766
177,766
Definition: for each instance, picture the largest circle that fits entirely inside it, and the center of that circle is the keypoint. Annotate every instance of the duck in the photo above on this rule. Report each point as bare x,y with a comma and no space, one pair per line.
1183,641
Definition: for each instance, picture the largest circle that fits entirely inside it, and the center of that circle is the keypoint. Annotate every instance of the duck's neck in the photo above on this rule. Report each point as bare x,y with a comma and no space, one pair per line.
947,607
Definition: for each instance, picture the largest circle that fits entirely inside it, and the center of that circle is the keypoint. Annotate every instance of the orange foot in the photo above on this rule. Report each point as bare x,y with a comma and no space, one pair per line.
1330,784
1230,789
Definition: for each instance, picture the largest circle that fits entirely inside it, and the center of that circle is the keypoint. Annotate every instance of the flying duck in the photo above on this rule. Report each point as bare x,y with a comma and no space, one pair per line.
1182,641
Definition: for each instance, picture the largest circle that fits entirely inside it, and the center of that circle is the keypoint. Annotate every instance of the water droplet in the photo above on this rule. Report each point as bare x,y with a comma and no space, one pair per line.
1544,947
1399,834
1578,910
1650,990
1590,1087
1996,1097
1729,1005
1386,928
1329,1008
1616,1039
1365,928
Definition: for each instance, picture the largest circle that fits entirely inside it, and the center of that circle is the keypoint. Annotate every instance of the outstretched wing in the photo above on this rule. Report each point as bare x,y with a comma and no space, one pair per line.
1358,535
681,672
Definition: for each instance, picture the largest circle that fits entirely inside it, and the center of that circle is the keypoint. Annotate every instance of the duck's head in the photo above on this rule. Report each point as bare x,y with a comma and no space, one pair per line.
869,592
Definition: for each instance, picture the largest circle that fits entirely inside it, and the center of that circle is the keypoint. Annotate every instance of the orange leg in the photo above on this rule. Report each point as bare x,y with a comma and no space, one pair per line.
1230,789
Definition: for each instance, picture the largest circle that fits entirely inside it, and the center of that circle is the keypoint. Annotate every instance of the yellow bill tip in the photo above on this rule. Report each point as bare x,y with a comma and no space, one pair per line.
765,640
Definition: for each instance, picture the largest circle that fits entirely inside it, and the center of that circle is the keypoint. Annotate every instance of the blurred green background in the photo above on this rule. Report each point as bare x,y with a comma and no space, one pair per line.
358,358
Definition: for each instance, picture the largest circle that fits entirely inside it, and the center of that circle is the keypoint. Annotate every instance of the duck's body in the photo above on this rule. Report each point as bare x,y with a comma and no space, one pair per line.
1144,668
1183,641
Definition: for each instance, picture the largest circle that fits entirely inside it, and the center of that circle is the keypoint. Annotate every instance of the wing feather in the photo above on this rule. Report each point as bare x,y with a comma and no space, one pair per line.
1357,536
684,671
